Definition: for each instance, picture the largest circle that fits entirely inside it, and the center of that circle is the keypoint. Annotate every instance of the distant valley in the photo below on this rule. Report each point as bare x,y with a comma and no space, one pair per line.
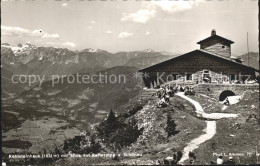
78,103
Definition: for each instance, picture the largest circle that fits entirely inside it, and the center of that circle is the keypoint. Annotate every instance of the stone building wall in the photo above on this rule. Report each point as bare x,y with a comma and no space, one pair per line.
217,47
220,50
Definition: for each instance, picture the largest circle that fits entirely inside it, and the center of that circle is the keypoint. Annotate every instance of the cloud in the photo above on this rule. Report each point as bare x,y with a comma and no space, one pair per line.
141,16
125,35
22,32
147,33
14,31
149,9
37,36
175,6
70,44
172,34
64,4
109,32
61,44
53,36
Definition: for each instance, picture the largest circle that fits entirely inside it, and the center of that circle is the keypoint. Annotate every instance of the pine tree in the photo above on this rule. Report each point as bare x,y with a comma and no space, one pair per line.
109,126
171,126
111,118
65,145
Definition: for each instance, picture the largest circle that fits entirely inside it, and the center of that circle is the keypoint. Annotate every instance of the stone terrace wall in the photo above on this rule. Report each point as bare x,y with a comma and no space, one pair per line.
214,90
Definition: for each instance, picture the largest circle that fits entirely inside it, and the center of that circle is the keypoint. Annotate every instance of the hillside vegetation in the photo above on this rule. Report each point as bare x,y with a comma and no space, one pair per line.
239,136
141,128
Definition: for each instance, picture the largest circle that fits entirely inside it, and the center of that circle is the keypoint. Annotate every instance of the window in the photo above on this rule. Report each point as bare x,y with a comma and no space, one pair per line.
232,77
188,77
223,47
175,76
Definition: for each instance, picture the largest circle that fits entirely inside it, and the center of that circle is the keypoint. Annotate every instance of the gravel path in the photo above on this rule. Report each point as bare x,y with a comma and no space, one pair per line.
200,112
210,129
194,144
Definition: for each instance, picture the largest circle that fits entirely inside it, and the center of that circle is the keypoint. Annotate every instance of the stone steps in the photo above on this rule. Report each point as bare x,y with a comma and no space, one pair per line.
148,94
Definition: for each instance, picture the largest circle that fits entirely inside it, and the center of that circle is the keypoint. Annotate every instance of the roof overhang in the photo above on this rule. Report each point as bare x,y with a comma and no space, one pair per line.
198,51
215,37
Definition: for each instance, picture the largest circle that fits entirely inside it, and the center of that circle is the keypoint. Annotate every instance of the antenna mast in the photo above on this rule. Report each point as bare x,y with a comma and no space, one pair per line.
247,51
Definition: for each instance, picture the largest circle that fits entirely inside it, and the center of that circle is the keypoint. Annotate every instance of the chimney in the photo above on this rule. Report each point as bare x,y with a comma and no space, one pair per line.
213,32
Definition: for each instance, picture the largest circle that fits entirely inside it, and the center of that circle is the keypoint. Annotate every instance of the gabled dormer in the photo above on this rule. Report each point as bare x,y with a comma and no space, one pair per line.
217,45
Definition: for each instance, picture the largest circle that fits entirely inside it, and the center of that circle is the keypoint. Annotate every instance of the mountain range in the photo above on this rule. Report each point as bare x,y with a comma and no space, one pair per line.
28,59
73,101
28,54
253,58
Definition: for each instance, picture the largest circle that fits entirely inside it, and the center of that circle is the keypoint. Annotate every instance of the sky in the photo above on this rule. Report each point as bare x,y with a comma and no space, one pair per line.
117,25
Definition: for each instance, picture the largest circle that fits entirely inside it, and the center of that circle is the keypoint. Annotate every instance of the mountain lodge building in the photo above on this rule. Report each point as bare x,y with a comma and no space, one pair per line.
212,63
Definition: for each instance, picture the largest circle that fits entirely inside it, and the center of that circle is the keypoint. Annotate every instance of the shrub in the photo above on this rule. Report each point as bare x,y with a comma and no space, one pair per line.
126,134
118,134
82,144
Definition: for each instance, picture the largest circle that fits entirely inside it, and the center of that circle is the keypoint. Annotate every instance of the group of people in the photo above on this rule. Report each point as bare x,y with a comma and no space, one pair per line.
164,93
189,91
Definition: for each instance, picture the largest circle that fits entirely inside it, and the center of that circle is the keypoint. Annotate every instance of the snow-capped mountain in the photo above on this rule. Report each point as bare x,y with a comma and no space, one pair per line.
92,50
148,50
19,49
21,52
38,60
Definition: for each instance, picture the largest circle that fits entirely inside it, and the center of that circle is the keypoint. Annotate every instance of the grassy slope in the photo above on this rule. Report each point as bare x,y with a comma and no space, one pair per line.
240,135
210,106
153,142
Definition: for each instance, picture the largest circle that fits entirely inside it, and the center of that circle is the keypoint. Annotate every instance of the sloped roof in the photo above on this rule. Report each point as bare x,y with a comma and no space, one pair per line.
198,51
215,37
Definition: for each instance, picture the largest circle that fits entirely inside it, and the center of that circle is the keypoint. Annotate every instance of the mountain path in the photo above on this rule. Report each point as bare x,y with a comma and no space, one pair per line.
210,129
200,112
